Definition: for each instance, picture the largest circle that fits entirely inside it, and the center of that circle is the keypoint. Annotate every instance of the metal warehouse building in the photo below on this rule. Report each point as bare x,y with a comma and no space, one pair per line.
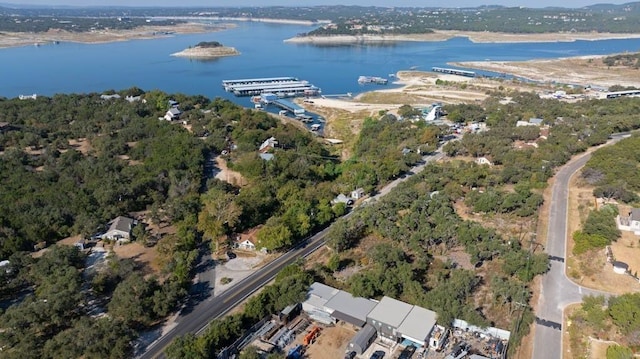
347,308
387,316
417,325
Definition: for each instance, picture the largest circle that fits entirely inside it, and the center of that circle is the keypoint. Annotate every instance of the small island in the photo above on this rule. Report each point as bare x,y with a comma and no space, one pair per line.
207,50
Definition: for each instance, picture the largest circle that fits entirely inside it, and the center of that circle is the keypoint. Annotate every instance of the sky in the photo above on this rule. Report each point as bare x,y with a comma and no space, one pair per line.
213,3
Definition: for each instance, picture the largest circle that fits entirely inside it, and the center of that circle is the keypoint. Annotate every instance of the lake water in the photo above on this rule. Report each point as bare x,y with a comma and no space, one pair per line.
82,68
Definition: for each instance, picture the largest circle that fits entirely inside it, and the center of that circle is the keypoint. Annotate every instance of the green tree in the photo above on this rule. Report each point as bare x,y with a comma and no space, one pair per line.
274,235
219,214
619,352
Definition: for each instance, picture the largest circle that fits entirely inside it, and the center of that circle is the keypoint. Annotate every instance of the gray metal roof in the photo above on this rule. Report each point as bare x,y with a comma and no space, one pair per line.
390,311
635,214
418,323
356,307
322,291
121,224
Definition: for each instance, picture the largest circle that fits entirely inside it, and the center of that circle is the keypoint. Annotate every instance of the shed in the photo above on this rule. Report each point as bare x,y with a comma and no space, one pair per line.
387,316
288,313
362,340
418,325
350,309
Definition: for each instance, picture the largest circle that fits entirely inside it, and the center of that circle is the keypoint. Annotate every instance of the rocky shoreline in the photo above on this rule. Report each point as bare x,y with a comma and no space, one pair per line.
477,37
207,52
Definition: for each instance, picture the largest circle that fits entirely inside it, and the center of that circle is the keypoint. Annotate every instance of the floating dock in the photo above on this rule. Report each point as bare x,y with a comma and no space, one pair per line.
256,81
372,80
289,106
281,86
453,71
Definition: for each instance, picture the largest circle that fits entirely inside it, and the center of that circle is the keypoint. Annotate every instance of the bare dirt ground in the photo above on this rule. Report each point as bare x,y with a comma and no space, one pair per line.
81,144
146,257
591,269
330,344
227,175
586,70
12,39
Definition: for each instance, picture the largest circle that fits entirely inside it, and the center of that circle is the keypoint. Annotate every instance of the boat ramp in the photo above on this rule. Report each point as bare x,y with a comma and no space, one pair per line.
280,86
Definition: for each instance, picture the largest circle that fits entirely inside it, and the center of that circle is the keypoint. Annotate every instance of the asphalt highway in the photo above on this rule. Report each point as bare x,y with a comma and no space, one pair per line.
197,319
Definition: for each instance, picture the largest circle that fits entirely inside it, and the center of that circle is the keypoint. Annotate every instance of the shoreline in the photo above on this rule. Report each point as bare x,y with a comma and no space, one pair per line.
54,36
207,52
475,37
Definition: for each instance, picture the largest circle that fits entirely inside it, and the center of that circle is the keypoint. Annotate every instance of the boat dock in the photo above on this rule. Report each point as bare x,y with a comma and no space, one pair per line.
454,71
289,106
227,84
281,86
372,80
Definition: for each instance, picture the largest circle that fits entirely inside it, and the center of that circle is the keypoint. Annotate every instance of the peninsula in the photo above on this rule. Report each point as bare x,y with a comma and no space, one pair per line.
207,50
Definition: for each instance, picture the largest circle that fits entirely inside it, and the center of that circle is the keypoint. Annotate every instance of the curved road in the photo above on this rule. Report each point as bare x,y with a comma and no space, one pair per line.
199,316
557,291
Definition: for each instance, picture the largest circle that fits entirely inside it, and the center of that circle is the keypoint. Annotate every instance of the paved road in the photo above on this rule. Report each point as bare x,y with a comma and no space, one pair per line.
198,317
557,290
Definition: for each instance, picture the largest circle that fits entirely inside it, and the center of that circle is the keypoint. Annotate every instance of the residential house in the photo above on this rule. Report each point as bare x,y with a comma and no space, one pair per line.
483,161
341,198
28,97
630,222
173,103
532,122
120,229
268,144
172,114
246,243
358,193
133,98
110,97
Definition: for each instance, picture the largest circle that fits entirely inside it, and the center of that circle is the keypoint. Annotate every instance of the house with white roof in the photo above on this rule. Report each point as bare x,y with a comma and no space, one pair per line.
630,222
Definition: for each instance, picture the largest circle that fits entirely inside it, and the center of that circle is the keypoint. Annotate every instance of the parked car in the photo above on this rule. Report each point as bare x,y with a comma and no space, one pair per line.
378,354
407,353
231,255
350,355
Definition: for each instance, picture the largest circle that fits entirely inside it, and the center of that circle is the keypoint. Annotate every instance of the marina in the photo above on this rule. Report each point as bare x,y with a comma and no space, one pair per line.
280,86
453,71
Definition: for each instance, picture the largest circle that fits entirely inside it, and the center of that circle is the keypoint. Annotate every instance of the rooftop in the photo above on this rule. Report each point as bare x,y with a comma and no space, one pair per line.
121,223
418,323
390,311
635,214
322,291
356,307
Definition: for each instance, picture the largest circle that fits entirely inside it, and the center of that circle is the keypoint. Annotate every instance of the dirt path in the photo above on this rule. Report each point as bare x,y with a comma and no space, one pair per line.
228,175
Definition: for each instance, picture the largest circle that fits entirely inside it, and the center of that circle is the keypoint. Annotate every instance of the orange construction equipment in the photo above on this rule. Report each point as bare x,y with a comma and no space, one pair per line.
311,336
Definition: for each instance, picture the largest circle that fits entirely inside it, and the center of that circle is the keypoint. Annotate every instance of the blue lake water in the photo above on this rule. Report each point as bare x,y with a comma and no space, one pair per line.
82,68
